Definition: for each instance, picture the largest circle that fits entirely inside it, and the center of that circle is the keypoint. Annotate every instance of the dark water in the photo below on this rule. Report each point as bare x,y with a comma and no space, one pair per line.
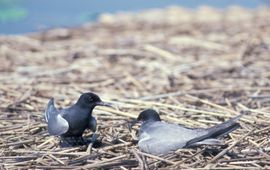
44,14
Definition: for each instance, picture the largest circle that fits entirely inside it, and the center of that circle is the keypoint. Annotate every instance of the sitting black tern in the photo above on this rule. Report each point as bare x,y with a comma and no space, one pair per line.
71,122
158,137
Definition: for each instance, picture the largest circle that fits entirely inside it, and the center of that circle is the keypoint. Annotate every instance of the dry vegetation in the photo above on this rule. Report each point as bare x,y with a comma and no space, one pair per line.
197,68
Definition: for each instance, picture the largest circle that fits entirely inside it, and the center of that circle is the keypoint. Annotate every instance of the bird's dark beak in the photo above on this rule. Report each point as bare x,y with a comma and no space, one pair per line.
132,123
101,103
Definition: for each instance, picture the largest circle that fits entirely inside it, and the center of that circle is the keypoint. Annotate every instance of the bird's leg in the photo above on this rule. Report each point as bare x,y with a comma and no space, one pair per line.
91,142
94,137
91,139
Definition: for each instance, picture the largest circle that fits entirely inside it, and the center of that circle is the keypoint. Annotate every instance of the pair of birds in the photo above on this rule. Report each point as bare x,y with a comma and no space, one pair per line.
155,136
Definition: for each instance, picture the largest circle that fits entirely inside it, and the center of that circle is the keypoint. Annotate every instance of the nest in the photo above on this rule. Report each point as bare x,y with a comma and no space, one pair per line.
197,68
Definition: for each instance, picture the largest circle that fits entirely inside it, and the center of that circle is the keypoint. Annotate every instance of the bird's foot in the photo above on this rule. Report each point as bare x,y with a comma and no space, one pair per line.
93,140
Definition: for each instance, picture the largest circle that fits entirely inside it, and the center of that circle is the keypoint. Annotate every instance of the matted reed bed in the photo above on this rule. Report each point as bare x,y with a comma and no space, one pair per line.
197,68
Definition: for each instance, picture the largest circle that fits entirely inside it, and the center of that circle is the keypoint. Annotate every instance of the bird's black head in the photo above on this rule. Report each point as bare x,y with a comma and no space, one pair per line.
148,115
91,100
145,116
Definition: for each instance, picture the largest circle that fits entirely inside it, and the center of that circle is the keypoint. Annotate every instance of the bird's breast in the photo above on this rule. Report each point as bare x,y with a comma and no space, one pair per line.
77,123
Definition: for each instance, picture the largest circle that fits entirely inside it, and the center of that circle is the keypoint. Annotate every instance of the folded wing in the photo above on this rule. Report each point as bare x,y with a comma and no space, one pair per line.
161,137
217,131
57,125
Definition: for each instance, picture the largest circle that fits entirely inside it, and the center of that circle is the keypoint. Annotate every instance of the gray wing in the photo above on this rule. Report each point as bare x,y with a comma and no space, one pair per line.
161,137
217,131
57,125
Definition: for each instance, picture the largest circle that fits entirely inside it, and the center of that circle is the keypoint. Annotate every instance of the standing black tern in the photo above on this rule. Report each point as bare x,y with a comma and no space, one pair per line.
158,137
71,122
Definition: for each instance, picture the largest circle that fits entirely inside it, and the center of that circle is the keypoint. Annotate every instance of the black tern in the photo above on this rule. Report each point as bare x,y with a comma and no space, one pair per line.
158,137
71,122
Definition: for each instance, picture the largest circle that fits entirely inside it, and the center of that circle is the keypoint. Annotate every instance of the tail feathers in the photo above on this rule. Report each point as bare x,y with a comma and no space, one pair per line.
218,130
